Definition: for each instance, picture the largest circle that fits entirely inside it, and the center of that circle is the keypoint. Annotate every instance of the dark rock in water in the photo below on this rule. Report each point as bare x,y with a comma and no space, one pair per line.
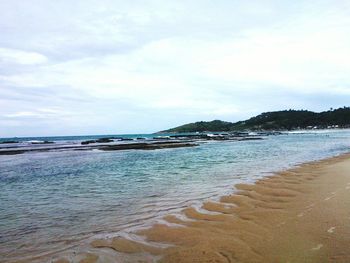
9,142
146,146
104,140
241,134
250,138
43,142
162,138
88,142
126,139
171,142
12,152
101,140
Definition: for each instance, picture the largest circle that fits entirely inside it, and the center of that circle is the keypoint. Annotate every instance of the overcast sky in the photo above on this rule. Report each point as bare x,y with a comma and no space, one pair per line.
113,67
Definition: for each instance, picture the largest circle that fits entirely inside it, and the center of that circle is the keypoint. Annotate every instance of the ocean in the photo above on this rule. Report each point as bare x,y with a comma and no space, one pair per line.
61,200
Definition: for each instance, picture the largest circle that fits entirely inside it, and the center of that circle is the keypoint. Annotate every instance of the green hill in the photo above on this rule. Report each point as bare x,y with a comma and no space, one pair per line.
277,120
202,126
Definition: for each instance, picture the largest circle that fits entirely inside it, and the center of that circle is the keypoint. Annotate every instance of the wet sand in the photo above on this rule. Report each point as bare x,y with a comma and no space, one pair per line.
299,215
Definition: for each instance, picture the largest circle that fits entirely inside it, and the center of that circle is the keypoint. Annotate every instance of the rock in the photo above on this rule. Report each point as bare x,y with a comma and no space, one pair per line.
101,140
146,146
42,142
9,142
12,152
88,142
104,140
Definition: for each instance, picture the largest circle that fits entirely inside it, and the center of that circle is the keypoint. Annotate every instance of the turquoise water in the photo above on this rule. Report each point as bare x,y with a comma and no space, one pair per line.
52,201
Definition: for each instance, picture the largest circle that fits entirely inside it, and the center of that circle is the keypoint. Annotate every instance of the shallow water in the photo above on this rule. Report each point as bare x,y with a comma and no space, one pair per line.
57,200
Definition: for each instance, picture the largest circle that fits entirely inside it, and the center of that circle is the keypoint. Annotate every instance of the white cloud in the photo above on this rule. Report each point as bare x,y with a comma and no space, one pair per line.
203,60
8,55
21,114
38,113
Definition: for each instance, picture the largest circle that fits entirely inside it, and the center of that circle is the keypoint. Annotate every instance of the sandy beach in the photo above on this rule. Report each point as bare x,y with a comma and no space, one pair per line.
299,215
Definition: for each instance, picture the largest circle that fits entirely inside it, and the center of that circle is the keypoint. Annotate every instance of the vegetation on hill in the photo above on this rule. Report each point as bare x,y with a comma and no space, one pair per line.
202,126
277,120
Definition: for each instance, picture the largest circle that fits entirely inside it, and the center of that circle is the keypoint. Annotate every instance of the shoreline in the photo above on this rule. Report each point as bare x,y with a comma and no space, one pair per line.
164,241
298,215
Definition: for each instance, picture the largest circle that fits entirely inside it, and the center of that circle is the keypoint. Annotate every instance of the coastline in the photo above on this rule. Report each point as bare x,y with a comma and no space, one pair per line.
298,215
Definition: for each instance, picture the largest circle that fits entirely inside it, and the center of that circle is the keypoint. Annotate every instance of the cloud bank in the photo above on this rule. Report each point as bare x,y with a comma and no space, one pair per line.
112,67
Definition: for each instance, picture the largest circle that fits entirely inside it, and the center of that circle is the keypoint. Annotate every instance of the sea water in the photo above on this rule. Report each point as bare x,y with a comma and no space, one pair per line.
54,201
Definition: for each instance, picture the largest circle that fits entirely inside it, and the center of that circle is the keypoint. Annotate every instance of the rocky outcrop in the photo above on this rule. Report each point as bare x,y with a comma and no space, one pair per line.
101,140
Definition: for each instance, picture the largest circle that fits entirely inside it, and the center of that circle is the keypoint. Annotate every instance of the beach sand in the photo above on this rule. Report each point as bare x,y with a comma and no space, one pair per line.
299,215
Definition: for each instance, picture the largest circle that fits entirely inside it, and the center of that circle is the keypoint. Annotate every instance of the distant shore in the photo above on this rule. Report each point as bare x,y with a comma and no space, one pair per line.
299,215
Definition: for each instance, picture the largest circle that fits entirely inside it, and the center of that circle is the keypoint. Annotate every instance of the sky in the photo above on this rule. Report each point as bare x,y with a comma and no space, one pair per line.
117,67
